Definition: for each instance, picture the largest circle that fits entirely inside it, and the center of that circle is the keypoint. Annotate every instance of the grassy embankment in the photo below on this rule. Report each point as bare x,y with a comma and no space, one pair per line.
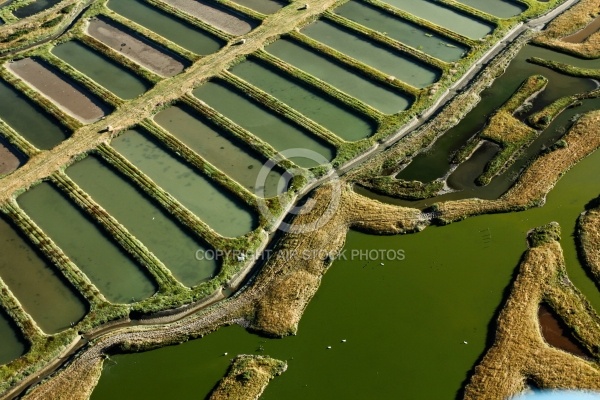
576,18
507,131
247,377
520,354
588,238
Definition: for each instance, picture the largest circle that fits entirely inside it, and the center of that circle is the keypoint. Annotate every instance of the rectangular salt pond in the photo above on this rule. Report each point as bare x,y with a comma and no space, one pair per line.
266,125
41,290
410,34
152,225
498,8
220,149
449,18
170,27
222,211
102,70
37,127
374,94
388,61
135,47
339,119
105,263
13,345
33,8
62,90
212,14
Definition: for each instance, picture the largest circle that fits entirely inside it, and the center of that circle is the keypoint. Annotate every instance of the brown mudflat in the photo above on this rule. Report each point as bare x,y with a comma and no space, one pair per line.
221,20
134,48
556,334
59,90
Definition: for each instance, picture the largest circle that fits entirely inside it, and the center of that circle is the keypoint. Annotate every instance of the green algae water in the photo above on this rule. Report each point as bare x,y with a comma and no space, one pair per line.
37,127
152,225
105,72
344,122
41,290
222,211
266,125
386,100
413,35
34,7
220,149
405,322
113,272
395,63
172,28
12,345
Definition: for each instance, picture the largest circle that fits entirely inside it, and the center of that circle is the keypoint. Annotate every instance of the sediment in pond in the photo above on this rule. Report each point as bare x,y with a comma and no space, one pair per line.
72,99
132,46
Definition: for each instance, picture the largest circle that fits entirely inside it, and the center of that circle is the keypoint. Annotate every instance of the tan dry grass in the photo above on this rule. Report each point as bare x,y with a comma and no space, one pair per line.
589,241
247,377
519,352
576,18
505,129
70,383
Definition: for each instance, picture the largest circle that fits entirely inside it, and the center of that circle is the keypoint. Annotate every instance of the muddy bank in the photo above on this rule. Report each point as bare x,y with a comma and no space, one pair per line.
519,352
65,94
247,377
556,333
224,21
135,48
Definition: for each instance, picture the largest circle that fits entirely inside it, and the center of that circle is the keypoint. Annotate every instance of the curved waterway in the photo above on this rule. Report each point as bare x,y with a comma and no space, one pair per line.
404,322
436,161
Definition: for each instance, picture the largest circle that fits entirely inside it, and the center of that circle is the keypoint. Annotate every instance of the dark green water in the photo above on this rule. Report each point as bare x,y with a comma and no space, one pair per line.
33,8
40,289
220,149
445,16
374,94
404,321
394,63
344,122
12,345
266,125
152,225
105,72
113,272
40,129
396,28
435,162
187,36
220,210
